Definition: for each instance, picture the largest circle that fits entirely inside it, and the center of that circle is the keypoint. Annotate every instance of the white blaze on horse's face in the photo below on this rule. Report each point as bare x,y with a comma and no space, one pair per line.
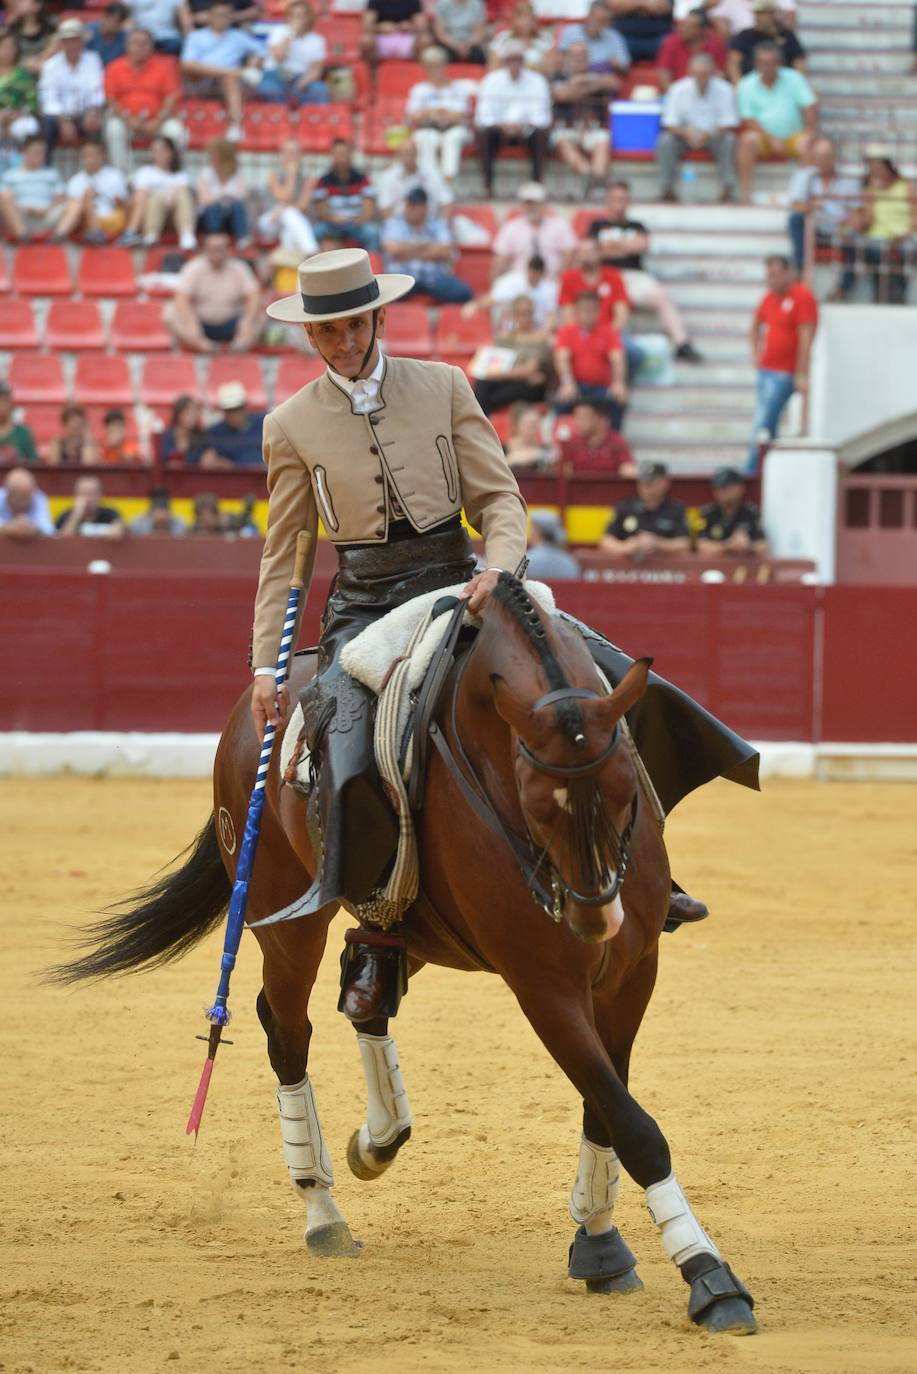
561,796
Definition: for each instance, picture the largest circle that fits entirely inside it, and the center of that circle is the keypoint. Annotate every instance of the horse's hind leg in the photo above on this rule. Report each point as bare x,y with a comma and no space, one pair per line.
373,1147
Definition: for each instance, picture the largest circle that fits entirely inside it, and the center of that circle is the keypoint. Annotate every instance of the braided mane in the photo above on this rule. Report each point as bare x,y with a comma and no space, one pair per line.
515,600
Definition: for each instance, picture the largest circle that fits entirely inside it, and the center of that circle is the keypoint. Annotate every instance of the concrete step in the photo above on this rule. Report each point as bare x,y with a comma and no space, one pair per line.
706,219
688,267
700,244
711,324
689,401
700,458
865,62
712,373
715,295
711,426
826,43
857,85
817,23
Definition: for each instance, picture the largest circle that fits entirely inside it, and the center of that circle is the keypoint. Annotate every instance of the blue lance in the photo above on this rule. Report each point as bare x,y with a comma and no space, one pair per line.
219,1014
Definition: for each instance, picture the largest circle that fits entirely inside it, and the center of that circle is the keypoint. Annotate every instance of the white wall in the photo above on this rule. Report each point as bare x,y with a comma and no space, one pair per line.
864,370
799,503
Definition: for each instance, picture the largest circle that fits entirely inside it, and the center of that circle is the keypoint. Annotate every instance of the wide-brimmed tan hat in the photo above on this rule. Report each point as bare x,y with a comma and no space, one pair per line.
337,284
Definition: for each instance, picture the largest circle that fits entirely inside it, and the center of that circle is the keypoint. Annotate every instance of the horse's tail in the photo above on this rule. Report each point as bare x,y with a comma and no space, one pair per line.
160,923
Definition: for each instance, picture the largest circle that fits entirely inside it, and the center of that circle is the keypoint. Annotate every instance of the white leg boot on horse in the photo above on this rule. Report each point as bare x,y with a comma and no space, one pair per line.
307,1158
599,1256
374,1146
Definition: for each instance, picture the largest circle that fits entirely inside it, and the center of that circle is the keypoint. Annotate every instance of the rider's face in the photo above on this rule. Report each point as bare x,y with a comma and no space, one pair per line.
343,343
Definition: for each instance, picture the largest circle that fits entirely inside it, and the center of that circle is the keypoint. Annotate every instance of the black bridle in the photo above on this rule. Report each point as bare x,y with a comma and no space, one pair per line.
532,863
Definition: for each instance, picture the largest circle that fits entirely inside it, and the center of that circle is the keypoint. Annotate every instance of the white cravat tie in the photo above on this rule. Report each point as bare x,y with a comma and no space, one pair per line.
363,395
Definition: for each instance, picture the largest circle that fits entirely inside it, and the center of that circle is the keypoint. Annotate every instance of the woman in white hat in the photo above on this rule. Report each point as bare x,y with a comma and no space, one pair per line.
386,452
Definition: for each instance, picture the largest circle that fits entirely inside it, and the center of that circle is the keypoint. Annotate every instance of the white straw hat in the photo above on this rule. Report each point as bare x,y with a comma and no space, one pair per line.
337,284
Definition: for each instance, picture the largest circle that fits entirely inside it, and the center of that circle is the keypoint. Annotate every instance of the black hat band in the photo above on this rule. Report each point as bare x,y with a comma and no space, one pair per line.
344,300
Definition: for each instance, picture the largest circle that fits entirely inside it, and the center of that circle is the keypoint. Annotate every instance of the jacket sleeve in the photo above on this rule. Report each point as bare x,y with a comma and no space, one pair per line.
490,493
291,508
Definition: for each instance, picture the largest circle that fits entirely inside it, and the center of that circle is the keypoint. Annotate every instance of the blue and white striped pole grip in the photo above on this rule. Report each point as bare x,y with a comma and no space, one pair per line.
219,1014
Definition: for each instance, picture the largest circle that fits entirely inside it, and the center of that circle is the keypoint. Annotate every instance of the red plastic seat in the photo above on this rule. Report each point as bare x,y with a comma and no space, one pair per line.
264,128
75,326
4,271
395,79
205,120
293,373
485,217
166,378
103,381
475,269
457,338
37,378
42,269
237,367
583,218
43,421
342,34
466,71
17,325
407,331
382,124
137,327
319,125
106,272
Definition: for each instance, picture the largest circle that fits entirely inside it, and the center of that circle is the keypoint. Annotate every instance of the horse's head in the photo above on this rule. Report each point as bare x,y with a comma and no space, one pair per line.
576,783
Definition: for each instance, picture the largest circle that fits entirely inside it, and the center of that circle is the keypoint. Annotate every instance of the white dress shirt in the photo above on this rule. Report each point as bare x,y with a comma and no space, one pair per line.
687,107
67,90
501,100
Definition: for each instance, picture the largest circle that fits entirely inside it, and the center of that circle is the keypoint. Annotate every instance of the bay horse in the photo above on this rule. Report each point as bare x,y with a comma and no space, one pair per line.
533,785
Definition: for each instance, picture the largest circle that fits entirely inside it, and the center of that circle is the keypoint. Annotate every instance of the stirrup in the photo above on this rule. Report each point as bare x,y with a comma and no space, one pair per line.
397,979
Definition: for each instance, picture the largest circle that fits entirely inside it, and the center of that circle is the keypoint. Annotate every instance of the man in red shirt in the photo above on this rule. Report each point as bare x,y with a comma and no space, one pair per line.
594,446
591,274
589,360
143,91
690,37
781,341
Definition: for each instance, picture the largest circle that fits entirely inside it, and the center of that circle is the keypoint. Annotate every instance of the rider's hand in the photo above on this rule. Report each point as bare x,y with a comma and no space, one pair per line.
479,589
268,703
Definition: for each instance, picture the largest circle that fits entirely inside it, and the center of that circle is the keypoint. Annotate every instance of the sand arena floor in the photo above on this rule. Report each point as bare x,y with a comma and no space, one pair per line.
777,1055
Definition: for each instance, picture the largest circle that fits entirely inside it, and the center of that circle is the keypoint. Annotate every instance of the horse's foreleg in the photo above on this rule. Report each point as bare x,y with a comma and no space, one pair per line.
372,1148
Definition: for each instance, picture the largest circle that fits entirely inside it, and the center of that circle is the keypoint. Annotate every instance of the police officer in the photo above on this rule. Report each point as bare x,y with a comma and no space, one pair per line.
731,524
650,523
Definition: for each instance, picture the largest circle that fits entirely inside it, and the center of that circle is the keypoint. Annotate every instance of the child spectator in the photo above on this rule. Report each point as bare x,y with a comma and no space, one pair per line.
32,196
116,447
222,193
75,446
162,193
96,197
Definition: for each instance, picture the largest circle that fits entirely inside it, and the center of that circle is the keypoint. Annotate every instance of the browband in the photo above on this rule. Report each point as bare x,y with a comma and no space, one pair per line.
344,300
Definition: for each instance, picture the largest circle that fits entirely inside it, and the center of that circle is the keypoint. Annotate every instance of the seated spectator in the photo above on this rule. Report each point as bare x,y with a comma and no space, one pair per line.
393,29
236,438
438,112
650,524
243,11
778,109
222,193
643,25
730,524
529,375
88,516
32,196
460,29
513,106
75,446
580,134
167,22
242,522
162,194
143,93
782,332
18,98
217,300
822,192
208,518
24,512
96,197
185,440
594,446
691,37
35,33
159,519
296,60
589,273
108,35
344,202
527,449
622,243
767,29
420,244
214,59
71,88
289,195
116,448
536,230
730,17
17,444
548,558
699,112
589,360
405,174
533,282
523,28
885,226
606,49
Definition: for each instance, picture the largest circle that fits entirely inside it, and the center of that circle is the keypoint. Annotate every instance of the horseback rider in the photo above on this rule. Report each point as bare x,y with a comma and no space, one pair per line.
386,451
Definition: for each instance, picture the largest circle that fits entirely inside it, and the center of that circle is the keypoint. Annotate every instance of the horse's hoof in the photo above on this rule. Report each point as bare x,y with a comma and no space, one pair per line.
333,1241
356,1162
381,1156
621,1283
732,1315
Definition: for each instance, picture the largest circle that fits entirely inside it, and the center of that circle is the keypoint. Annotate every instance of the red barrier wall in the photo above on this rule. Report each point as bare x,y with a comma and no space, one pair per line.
137,651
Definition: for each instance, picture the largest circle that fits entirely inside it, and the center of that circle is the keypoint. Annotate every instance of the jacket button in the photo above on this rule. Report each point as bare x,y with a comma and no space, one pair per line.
373,449
378,479
374,419
381,510
380,530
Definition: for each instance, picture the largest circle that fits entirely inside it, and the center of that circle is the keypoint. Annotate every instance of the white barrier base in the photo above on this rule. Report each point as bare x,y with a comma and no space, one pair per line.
111,754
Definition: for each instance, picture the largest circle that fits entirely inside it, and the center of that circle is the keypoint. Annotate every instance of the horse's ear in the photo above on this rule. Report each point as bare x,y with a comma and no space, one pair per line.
517,716
627,693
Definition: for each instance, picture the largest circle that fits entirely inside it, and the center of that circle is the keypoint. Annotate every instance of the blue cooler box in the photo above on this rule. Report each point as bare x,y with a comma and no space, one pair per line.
635,125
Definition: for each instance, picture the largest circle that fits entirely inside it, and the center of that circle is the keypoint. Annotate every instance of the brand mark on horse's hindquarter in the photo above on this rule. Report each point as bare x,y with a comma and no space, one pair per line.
227,830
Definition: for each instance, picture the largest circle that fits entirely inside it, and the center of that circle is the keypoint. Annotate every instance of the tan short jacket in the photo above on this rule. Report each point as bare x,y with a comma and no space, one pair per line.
428,443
